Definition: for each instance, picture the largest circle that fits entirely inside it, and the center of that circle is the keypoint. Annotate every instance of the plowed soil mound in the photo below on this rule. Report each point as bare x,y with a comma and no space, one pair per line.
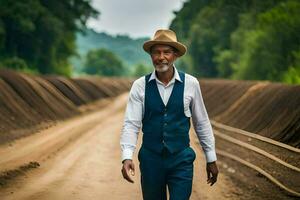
30,103
268,109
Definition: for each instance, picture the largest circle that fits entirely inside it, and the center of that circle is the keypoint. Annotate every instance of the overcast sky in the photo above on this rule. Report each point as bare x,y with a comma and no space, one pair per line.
136,18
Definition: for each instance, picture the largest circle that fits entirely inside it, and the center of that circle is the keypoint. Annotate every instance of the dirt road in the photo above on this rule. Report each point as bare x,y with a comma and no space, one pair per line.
80,159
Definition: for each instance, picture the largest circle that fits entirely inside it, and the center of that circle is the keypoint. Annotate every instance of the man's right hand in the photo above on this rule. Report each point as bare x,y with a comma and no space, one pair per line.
127,169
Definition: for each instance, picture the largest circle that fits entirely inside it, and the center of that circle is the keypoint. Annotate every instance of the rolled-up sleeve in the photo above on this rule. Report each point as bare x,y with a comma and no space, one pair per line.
202,124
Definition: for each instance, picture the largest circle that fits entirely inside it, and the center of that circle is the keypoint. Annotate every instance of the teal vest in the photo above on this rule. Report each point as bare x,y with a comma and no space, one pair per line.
165,126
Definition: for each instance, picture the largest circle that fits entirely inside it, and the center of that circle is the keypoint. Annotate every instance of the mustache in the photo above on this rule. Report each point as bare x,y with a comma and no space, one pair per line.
163,63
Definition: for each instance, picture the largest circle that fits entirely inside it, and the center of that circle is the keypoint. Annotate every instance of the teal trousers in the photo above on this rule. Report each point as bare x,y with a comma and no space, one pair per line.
159,171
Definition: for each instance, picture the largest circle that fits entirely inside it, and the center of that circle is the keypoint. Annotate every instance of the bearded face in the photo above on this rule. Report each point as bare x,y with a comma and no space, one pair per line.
163,57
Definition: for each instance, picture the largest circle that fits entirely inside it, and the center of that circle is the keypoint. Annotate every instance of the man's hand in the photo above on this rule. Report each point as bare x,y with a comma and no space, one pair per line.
212,172
127,169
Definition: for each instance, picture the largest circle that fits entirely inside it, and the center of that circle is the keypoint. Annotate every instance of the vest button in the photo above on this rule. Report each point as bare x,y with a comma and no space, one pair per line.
165,124
165,114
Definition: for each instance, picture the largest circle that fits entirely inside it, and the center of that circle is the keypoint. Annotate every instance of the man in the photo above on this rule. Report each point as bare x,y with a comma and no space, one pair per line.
162,103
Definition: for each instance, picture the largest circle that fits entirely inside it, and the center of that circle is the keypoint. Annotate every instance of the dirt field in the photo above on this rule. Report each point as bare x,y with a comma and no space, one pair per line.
84,162
31,103
59,138
268,109
80,159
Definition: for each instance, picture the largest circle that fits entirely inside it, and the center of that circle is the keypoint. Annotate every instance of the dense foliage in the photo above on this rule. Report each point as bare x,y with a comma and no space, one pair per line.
128,49
39,35
103,62
241,39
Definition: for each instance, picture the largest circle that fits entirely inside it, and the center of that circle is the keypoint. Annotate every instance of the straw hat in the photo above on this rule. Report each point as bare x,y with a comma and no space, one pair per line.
167,37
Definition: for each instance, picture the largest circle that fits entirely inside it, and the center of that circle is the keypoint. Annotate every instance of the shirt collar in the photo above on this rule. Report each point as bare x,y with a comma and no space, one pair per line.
176,75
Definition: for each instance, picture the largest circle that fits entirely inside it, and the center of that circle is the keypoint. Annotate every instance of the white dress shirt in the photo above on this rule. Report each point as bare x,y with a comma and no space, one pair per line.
193,107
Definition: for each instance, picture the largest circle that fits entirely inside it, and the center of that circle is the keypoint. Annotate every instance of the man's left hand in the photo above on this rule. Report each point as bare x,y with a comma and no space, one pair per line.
212,173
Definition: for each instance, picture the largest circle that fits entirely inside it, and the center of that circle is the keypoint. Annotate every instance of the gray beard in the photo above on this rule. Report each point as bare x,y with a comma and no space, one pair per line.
164,68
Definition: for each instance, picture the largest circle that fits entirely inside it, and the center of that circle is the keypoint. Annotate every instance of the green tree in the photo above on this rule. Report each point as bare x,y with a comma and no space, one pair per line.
292,75
241,39
42,32
141,70
268,50
103,62
210,26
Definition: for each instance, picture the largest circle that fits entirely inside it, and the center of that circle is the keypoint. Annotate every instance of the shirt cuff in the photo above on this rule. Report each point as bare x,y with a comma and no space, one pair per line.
127,154
210,156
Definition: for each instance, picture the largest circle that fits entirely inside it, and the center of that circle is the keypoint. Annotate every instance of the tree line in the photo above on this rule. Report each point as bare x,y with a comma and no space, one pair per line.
98,52
241,39
236,39
39,35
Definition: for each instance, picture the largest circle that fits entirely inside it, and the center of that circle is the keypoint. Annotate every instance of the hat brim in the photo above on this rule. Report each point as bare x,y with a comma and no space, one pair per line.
177,45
